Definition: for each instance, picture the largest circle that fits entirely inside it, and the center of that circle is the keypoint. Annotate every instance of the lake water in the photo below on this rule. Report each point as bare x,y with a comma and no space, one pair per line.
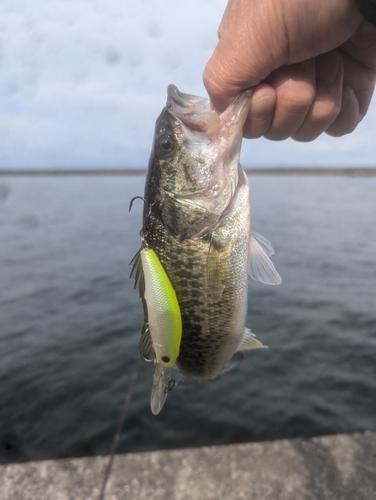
70,321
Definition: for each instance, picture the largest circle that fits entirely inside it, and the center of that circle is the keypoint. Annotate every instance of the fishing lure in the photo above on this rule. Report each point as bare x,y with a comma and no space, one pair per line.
161,336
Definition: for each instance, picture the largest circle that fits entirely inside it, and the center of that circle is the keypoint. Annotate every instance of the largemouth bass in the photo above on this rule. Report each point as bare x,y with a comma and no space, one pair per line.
197,220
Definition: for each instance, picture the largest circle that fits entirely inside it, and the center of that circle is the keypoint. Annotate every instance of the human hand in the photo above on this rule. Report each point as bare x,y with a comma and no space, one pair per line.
312,64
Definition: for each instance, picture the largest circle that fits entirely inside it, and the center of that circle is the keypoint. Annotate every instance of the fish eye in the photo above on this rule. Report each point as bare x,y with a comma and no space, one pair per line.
166,145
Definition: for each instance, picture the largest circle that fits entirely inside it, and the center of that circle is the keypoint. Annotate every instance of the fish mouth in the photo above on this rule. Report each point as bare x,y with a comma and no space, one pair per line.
197,114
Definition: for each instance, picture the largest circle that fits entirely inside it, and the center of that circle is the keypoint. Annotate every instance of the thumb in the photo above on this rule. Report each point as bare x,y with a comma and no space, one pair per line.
244,55
226,75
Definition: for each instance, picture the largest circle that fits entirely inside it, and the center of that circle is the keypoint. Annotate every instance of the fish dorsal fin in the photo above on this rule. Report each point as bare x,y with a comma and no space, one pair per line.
261,268
249,341
236,359
160,388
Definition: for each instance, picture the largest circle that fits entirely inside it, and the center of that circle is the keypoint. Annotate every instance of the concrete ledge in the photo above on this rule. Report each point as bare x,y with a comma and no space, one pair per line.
341,467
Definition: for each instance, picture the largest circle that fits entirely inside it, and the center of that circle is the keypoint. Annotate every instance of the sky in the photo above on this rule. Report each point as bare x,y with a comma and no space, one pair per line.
83,81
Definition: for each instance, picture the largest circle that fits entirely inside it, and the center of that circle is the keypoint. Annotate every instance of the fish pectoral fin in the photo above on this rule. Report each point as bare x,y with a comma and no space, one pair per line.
249,341
236,359
264,243
219,253
160,388
261,268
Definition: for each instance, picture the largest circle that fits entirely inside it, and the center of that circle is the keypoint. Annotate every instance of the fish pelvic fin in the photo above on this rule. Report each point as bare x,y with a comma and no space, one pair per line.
249,341
261,268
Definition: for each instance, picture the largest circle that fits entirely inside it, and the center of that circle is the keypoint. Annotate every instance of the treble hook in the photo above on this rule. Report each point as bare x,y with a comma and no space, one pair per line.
135,198
169,386
149,207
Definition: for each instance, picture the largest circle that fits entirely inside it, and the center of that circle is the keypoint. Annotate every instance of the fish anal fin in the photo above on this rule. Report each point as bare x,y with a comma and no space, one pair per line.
249,341
261,268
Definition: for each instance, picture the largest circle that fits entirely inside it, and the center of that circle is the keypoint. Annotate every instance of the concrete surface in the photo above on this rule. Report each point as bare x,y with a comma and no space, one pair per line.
341,467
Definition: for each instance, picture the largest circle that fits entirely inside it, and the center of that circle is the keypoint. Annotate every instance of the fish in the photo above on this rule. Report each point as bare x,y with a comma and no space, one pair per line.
197,221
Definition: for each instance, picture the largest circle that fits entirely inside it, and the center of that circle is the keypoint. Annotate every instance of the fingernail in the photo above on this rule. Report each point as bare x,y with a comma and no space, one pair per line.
262,108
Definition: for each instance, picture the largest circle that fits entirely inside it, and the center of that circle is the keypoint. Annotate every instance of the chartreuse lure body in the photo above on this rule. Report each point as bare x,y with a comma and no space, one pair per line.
164,318
161,335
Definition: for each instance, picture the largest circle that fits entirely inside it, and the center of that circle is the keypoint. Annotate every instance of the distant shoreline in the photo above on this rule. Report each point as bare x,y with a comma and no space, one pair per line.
40,172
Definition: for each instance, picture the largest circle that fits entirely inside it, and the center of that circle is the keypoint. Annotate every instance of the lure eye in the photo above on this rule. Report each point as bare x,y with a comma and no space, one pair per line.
165,359
166,145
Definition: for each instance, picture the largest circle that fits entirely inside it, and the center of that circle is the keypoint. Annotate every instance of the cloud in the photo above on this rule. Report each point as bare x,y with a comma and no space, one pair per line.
82,83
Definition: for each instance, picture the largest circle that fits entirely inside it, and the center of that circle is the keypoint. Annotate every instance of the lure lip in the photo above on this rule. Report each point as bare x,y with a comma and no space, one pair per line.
160,388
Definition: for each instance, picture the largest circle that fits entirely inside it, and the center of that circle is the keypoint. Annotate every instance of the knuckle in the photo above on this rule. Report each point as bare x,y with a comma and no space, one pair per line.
320,117
324,113
297,102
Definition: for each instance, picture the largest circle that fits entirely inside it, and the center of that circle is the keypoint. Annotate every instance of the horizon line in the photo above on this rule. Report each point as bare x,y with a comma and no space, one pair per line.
346,171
